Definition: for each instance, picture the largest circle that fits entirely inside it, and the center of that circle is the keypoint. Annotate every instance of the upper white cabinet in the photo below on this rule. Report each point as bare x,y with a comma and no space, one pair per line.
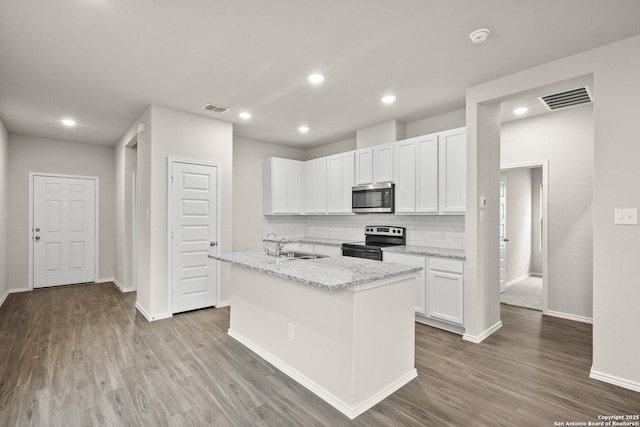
315,186
453,171
340,180
374,165
281,186
431,173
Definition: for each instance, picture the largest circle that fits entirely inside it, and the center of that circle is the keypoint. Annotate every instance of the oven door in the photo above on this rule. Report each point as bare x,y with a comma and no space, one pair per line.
374,254
378,198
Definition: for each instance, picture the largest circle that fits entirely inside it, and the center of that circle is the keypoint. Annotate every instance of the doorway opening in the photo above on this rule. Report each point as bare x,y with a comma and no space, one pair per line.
523,235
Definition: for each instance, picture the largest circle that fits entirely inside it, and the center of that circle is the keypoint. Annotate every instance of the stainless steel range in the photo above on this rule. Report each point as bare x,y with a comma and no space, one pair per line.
376,238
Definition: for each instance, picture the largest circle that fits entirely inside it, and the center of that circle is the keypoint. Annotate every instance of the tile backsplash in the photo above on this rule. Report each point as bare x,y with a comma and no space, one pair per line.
422,230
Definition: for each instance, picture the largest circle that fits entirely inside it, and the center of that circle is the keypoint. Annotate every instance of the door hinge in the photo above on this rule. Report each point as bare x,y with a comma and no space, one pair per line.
172,234
172,178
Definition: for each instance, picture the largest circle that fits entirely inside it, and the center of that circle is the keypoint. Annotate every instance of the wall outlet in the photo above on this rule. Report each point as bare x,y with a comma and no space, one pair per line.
292,331
443,235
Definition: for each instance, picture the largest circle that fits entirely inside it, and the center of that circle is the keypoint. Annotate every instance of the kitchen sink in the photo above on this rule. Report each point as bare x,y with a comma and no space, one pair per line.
301,255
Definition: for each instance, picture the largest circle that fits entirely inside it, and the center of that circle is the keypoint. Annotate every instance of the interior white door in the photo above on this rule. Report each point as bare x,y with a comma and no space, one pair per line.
503,233
63,230
194,216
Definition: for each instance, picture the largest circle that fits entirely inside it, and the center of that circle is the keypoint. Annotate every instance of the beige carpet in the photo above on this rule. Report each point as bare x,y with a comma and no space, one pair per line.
525,293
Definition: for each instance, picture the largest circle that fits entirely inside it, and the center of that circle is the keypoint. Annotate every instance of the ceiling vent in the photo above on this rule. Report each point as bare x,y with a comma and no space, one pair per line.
569,98
215,108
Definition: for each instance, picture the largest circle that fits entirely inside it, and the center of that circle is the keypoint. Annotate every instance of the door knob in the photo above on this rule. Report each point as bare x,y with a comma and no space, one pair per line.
37,237
212,243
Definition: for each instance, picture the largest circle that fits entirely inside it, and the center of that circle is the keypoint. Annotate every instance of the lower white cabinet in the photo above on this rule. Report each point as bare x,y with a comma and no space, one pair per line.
421,280
439,288
445,290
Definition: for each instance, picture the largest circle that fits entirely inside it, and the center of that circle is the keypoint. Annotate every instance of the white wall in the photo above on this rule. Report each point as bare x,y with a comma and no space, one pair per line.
32,154
565,139
536,225
616,248
4,187
518,223
248,156
380,134
338,147
452,120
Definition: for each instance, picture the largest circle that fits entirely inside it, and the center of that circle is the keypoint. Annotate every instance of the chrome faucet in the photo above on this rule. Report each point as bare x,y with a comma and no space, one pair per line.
279,245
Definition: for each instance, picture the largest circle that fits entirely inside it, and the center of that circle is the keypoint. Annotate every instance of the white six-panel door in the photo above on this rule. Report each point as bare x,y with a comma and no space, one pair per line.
63,230
194,227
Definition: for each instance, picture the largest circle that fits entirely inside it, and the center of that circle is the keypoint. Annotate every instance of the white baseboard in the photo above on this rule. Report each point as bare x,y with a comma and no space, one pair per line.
122,288
149,317
477,339
348,410
105,280
4,297
569,316
535,274
223,304
621,382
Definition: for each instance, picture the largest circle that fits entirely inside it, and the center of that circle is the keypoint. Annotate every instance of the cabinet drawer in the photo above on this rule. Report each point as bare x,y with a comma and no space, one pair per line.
444,264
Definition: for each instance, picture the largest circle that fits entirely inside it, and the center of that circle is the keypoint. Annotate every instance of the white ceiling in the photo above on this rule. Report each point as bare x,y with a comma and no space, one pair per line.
103,62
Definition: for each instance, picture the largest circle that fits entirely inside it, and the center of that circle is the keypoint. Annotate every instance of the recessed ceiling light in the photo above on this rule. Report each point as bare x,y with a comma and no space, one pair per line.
388,99
316,78
521,110
244,115
68,122
480,35
303,129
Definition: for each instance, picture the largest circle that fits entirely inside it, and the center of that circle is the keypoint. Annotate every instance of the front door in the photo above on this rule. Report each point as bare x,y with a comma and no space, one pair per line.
194,195
63,230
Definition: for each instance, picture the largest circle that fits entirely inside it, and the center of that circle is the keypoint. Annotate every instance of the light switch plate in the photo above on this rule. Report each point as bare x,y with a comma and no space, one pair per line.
626,217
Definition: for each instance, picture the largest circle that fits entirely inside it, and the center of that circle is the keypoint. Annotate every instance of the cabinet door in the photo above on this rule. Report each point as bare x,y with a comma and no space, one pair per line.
405,176
383,163
348,173
340,178
315,186
280,186
445,289
453,171
294,188
427,174
364,166
418,261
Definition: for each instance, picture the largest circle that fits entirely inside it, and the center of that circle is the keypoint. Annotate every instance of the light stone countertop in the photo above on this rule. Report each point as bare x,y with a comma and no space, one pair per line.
309,240
329,273
427,251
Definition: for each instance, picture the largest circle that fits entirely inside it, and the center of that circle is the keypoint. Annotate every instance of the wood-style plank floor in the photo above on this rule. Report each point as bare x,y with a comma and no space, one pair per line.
82,355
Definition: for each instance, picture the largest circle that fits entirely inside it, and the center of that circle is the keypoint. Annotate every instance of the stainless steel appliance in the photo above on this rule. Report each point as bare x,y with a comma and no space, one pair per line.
374,198
376,238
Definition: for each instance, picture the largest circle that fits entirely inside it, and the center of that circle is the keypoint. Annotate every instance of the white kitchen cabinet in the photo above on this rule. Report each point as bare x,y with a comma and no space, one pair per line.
340,179
453,171
430,173
364,166
374,165
417,175
445,290
315,186
281,186
421,282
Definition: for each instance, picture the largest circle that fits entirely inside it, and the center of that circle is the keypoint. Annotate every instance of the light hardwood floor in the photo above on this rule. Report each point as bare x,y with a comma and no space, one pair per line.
82,355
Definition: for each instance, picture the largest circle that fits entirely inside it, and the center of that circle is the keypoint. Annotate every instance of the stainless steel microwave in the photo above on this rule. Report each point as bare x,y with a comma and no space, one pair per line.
375,198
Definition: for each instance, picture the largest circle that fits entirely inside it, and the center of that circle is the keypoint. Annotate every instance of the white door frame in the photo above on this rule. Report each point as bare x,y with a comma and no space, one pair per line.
134,228
170,162
97,218
544,164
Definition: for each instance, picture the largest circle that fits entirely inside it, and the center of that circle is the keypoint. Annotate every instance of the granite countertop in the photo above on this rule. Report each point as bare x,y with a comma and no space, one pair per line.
309,240
328,273
427,251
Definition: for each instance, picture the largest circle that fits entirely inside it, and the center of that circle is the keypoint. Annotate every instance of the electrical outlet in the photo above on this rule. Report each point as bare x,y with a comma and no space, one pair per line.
443,235
292,331
626,216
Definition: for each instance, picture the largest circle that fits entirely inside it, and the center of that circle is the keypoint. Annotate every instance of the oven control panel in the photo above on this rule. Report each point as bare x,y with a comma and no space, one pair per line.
383,230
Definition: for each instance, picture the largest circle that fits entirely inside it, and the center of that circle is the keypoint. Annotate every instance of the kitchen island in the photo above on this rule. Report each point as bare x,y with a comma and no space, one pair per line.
342,327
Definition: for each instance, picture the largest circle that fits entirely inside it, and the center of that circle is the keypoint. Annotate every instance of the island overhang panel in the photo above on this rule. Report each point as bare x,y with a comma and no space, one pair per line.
352,346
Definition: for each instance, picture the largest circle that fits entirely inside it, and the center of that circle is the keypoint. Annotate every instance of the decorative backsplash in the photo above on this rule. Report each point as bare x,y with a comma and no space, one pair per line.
422,230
